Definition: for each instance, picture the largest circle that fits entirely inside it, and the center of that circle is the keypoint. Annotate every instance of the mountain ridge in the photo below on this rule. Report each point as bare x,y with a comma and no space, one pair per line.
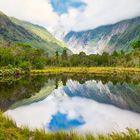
106,38
14,31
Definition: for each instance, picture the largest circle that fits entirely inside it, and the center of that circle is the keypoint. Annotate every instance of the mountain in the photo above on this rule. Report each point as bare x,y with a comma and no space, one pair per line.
122,95
13,31
45,91
106,38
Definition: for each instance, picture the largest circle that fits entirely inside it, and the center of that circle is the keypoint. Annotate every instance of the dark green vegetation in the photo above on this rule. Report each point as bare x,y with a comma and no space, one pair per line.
117,59
13,31
9,131
13,89
25,57
136,45
107,38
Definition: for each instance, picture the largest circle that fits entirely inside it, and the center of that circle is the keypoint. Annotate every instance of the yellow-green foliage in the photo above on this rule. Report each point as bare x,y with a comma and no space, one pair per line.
88,70
10,71
9,131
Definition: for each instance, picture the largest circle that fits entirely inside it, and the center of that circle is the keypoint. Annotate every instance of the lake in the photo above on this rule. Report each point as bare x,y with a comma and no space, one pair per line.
83,103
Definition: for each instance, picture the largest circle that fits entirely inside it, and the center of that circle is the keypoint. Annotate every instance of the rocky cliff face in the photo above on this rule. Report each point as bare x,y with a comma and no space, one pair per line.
120,95
107,38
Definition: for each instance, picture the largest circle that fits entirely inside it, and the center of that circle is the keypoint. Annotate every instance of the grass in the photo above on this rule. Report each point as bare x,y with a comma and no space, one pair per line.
5,71
87,70
9,131
71,70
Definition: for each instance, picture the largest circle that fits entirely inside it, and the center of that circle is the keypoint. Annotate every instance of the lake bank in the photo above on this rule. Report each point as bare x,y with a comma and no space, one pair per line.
9,130
70,70
86,70
12,71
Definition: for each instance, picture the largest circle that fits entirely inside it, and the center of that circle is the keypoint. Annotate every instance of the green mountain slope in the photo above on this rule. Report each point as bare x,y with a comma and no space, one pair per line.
13,30
40,31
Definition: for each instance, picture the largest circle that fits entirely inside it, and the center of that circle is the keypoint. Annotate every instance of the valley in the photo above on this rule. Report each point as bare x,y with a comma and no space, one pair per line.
57,83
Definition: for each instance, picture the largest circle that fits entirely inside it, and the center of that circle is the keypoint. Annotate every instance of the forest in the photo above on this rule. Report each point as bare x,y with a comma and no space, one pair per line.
25,57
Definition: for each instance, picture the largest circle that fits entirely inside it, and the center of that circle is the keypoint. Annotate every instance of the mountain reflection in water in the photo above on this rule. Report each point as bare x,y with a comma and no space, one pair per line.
88,106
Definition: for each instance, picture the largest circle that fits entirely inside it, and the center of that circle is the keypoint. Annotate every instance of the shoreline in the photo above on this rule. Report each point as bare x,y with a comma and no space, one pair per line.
86,70
70,70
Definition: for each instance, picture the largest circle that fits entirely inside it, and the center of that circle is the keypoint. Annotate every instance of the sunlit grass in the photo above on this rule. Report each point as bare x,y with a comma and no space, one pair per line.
71,70
88,70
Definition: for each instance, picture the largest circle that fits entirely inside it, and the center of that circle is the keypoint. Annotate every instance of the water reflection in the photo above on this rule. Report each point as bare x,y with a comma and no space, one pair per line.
122,86
95,117
14,90
82,103
125,96
60,121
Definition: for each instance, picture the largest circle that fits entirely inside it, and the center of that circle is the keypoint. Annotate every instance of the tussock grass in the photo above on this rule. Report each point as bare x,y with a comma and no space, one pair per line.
5,71
70,70
87,70
9,131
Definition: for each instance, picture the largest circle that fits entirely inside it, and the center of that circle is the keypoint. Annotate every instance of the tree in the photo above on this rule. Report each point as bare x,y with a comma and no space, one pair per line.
64,55
105,59
136,45
82,54
56,55
115,53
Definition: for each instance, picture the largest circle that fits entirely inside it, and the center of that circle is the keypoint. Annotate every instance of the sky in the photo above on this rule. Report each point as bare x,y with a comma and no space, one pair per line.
74,15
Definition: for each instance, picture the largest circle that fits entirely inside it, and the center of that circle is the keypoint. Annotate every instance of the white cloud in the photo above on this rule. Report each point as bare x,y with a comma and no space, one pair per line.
36,11
101,12
96,13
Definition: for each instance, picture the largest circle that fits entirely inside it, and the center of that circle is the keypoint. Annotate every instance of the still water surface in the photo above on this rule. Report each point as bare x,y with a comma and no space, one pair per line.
81,103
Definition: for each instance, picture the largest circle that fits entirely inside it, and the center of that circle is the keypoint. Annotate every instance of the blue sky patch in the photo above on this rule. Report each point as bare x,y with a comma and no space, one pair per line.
62,6
61,121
